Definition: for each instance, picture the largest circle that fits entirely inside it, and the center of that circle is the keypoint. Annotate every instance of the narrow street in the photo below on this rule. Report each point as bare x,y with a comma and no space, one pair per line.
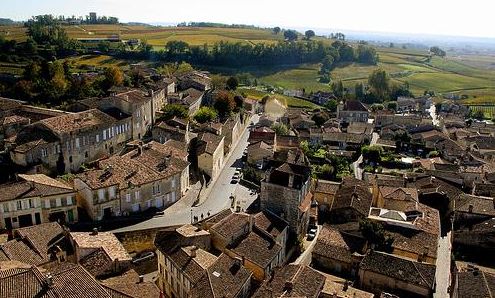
358,171
443,276
218,198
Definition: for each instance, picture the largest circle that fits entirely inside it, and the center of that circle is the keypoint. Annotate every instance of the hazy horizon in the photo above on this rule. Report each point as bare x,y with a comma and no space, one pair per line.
440,18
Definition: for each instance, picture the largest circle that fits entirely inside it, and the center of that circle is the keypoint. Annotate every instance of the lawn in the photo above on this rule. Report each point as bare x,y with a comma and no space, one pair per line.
97,61
302,77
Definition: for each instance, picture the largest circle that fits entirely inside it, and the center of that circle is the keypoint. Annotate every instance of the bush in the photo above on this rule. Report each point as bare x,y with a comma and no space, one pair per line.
205,114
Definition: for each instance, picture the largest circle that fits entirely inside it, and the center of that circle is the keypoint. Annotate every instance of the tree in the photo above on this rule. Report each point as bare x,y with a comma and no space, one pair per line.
376,235
218,82
367,55
32,72
205,114
331,105
113,77
320,118
379,82
224,103
478,115
437,51
309,34
392,105
239,102
372,153
232,83
338,89
280,129
276,30
290,35
359,91
327,64
174,110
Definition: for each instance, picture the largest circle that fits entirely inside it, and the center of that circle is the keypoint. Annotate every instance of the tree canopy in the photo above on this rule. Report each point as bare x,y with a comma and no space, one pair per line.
290,35
205,114
174,110
309,34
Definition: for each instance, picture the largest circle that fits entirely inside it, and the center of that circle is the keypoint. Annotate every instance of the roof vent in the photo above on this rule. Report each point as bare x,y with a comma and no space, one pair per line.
95,232
216,274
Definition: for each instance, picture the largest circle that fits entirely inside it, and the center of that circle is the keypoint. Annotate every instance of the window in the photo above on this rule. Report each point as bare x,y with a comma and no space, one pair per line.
104,134
19,205
101,195
58,202
136,195
47,203
69,200
31,204
44,152
97,138
158,188
111,192
6,207
173,182
148,204
77,143
128,197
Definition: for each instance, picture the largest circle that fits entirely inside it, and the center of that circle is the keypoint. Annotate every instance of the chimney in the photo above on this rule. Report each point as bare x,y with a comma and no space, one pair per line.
238,261
193,251
141,278
95,232
471,208
289,285
346,285
49,280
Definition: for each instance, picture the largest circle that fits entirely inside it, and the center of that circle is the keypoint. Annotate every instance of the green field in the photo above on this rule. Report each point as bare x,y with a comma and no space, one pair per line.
471,75
286,100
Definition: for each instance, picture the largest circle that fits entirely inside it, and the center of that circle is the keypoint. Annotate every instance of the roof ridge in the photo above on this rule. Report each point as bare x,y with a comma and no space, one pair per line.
419,272
486,284
209,281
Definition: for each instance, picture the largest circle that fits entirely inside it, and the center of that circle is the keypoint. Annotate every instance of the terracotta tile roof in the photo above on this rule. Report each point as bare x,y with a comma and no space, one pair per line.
45,180
343,137
224,278
353,194
105,240
335,287
86,120
128,284
9,104
219,216
40,185
71,280
97,263
17,249
327,187
398,268
191,96
21,280
232,224
133,96
258,249
480,205
337,245
414,241
354,105
293,281
155,162
15,119
193,267
209,142
270,223
475,284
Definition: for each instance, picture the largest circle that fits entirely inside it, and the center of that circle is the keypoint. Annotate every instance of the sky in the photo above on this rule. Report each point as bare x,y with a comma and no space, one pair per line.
439,17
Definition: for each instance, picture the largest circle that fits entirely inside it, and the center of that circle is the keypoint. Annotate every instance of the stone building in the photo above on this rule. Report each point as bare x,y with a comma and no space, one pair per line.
150,175
285,191
352,111
210,152
64,143
36,199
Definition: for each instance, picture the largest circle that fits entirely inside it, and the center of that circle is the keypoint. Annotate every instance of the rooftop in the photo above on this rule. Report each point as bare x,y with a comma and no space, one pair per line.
105,240
86,120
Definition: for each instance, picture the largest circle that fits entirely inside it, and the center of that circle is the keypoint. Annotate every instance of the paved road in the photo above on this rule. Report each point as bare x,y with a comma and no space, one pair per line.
443,266
305,257
358,171
218,199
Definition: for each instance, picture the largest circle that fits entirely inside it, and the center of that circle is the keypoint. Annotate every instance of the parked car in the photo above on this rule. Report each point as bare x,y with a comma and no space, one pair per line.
311,236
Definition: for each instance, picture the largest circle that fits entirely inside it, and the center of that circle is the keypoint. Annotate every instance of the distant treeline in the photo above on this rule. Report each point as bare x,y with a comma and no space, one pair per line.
238,54
4,22
215,25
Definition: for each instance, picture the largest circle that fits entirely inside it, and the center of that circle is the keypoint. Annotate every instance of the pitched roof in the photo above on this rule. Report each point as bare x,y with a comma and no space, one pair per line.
231,224
209,142
354,105
475,284
399,268
105,240
353,194
293,281
151,163
327,187
480,205
21,280
97,263
258,249
34,186
224,278
128,284
86,120
270,223
337,245
193,267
